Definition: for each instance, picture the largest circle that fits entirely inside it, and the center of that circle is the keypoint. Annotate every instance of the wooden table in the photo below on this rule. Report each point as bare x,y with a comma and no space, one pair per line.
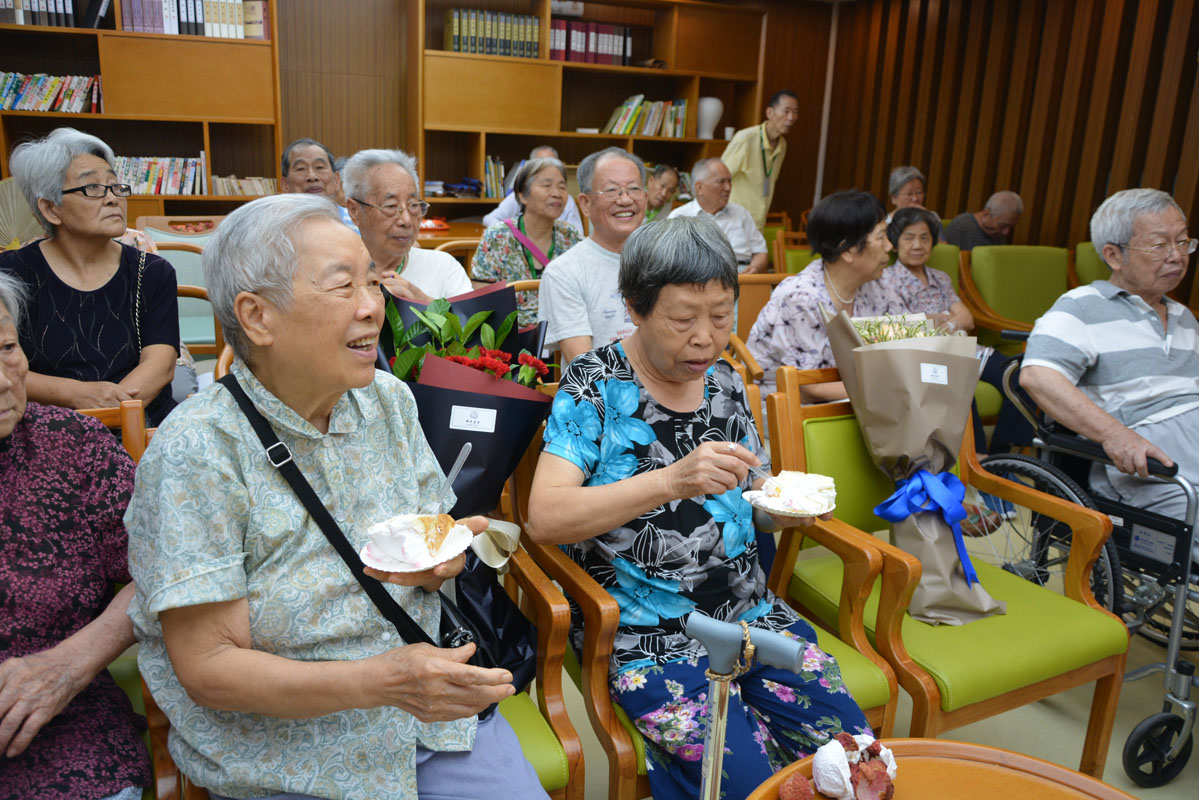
458,230
940,768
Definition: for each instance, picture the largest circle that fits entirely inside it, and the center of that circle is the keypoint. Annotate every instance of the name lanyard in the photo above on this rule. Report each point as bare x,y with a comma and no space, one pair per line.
765,169
528,254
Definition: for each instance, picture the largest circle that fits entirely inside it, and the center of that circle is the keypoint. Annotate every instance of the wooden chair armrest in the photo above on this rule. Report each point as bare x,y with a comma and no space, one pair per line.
601,616
1089,529
183,247
743,354
551,615
166,774
807,377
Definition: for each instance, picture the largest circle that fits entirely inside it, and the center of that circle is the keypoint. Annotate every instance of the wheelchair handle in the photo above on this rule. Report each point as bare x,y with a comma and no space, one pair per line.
1017,336
723,641
1093,451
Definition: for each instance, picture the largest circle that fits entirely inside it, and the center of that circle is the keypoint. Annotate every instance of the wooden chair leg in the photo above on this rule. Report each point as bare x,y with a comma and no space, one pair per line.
1103,717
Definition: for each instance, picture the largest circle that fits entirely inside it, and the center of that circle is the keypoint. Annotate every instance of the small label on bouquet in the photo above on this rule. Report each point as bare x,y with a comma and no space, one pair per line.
469,418
934,373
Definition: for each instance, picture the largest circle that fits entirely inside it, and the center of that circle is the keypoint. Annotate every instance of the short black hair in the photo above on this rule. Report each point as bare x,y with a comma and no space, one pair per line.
779,95
303,142
842,221
905,218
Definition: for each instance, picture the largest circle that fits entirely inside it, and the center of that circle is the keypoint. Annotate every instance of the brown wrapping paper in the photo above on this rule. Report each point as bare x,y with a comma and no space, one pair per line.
912,400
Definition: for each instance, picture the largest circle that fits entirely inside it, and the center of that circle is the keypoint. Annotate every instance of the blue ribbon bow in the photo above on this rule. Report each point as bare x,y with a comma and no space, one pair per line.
925,491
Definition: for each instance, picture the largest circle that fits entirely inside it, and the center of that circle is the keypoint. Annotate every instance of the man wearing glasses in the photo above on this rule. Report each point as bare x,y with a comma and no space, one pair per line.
383,197
755,155
1118,361
580,295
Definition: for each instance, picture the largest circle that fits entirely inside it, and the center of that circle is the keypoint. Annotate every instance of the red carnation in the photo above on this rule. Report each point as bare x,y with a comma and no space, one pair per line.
391,362
498,355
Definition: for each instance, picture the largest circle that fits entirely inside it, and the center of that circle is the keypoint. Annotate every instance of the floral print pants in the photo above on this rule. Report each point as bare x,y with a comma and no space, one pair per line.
775,717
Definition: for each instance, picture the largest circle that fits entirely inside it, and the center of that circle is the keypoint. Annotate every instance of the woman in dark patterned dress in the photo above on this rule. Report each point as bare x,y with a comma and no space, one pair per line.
103,324
647,452
66,729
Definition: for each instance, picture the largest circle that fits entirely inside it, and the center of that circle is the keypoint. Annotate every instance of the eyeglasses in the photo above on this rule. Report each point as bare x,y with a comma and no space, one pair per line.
416,209
98,190
634,192
1161,251
911,195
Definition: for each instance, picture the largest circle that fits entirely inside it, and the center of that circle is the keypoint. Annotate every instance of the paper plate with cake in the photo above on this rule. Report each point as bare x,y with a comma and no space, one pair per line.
795,494
414,542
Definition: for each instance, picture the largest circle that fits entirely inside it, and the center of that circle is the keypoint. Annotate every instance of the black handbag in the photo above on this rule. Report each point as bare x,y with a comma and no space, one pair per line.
503,636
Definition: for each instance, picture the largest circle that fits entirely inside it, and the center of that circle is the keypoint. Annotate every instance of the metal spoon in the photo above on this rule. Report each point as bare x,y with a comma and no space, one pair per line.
453,473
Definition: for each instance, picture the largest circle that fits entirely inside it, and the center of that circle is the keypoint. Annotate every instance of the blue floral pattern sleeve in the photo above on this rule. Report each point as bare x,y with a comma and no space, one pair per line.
693,554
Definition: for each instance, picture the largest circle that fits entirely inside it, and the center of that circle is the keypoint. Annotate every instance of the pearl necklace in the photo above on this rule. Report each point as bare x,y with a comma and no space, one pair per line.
833,289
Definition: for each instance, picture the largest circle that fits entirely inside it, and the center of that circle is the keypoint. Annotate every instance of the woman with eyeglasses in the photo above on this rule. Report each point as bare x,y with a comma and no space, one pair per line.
383,197
907,188
104,321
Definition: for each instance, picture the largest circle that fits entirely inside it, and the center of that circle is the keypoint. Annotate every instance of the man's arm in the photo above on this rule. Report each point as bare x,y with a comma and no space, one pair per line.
507,209
1067,404
573,346
757,264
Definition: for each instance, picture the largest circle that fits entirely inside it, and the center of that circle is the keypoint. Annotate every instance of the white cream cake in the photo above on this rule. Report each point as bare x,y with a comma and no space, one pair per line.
801,492
412,542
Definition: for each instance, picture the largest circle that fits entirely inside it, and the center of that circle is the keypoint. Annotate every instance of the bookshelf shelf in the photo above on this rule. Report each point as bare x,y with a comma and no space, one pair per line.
490,201
473,106
165,96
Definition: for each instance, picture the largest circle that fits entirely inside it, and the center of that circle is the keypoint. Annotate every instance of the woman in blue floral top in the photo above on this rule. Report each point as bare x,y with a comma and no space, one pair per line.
504,253
647,453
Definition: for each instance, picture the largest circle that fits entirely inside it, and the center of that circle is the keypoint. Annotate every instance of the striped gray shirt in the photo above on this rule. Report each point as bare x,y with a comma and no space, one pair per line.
1110,344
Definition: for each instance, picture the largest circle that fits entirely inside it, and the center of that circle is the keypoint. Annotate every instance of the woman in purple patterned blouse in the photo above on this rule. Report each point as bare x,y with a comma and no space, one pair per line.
66,729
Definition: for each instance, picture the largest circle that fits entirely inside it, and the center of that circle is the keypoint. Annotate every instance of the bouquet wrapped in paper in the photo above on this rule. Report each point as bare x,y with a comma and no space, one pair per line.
911,391
474,380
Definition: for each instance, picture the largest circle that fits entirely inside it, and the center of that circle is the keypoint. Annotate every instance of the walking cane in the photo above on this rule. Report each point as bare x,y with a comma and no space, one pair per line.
732,648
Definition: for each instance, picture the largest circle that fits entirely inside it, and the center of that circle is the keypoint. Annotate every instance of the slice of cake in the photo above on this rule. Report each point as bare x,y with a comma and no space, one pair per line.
801,492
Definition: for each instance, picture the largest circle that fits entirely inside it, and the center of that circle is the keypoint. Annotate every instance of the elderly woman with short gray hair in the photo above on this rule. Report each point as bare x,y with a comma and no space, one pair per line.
519,249
907,187
279,677
104,320
382,190
648,449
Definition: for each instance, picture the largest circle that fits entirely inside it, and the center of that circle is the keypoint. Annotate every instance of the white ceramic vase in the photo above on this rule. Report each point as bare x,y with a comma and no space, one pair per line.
707,116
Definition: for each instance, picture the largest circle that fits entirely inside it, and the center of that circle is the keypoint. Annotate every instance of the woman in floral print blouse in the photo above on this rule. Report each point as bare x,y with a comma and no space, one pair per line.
504,252
647,453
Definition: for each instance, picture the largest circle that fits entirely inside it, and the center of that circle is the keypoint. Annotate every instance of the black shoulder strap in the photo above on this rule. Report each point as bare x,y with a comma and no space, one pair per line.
280,457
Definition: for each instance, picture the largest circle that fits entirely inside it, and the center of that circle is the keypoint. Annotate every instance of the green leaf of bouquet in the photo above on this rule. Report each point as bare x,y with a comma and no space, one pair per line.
502,334
455,349
472,324
526,376
453,328
405,361
487,336
439,306
399,334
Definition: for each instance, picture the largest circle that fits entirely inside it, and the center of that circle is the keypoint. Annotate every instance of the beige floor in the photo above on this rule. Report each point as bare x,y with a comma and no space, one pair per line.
1051,729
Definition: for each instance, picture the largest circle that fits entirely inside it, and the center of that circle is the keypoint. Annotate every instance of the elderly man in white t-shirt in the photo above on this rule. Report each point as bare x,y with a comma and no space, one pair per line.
580,294
713,184
383,197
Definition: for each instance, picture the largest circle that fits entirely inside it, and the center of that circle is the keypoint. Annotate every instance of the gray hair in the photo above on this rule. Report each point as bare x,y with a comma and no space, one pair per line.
353,174
679,251
254,250
40,166
587,166
1113,221
522,178
1005,202
901,176
12,297
304,142
662,169
703,168
538,148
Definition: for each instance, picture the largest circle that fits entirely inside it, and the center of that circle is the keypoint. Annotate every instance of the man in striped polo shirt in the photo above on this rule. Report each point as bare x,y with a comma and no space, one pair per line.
1118,361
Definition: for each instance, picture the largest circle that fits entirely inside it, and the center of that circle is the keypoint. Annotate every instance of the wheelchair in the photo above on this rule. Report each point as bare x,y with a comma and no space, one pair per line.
1144,572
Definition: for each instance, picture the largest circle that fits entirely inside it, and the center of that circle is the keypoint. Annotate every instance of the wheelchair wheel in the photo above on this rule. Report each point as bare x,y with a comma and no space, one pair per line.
1036,547
1148,745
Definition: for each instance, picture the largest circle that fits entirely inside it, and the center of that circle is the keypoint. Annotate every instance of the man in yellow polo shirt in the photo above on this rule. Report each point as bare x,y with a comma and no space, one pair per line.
755,156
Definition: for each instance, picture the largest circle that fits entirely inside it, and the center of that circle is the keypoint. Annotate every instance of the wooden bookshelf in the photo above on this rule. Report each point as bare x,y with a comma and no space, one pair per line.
468,106
164,95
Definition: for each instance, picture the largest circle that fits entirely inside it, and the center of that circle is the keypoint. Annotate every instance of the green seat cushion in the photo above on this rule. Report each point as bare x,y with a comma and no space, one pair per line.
537,740
1088,266
798,259
989,399
865,681
770,233
1043,634
197,329
948,259
835,447
1019,281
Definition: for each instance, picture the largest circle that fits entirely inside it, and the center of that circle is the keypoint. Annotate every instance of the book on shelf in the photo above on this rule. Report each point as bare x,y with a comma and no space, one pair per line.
244,187
493,33
67,94
493,177
54,13
591,42
637,116
161,175
218,19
